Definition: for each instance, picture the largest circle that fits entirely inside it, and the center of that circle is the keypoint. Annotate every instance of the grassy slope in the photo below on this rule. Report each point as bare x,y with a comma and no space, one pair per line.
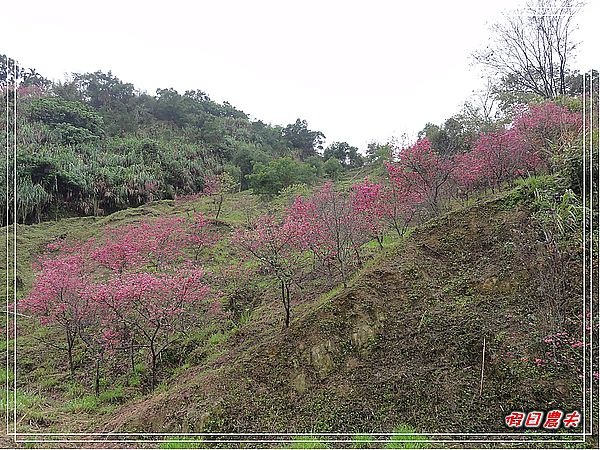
47,398
32,239
403,344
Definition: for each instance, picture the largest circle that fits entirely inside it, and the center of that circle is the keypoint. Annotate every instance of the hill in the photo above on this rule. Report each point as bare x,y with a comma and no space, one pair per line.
427,291
403,344
93,144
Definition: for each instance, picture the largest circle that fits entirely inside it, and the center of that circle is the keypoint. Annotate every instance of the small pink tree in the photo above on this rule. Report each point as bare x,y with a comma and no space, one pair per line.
156,244
494,153
97,331
546,129
200,235
501,156
467,173
400,204
56,297
99,291
275,246
326,224
368,204
218,186
153,306
422,174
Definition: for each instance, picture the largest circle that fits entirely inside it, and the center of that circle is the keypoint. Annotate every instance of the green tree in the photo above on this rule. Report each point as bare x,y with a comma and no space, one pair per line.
317,163
355,159
344,153
245,157
271,178
11,70
74,121
453,136
377,153
218,187
332,168
117,102
306,141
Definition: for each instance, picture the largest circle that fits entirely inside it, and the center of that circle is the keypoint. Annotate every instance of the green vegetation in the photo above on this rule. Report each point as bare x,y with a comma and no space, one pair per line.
459,285
362,441
25,402
73,122
307,442
181,442
93,145
272,178
405,438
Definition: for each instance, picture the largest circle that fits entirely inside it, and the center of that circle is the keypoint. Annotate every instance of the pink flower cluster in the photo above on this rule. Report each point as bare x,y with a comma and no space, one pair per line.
138,284
526,146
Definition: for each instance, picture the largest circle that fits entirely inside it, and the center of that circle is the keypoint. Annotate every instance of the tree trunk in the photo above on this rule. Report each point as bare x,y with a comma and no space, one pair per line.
70,339
153,353
397,227
285,298
358,258
287,306
97,383
132,356
221,198
343,271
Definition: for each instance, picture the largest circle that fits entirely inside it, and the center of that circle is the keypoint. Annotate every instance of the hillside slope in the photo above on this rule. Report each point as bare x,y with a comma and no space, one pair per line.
403,344
32,239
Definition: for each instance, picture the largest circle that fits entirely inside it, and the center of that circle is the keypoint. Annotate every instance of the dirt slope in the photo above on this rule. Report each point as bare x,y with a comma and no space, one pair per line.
403,344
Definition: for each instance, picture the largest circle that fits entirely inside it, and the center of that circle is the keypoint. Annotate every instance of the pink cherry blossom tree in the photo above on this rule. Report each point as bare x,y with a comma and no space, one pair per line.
400,204
326,224
501,156
136,286
546,129
467,173
422,174
154,306
200,235
156,244
218,187
368,204
274,244
56,296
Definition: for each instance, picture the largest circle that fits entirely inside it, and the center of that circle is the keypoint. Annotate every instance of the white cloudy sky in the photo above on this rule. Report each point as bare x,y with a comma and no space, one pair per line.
356,71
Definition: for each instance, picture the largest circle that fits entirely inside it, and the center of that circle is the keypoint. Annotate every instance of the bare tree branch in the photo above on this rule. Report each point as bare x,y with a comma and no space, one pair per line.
532,47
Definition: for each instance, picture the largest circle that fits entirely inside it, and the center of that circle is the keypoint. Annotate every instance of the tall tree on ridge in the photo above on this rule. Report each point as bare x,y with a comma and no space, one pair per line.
531,48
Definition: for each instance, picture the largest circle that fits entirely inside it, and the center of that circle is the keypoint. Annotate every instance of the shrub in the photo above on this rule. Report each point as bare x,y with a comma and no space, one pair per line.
74,121
332,168
270,179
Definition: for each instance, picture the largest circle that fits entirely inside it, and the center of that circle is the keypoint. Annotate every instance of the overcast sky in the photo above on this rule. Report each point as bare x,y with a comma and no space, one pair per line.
357,71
